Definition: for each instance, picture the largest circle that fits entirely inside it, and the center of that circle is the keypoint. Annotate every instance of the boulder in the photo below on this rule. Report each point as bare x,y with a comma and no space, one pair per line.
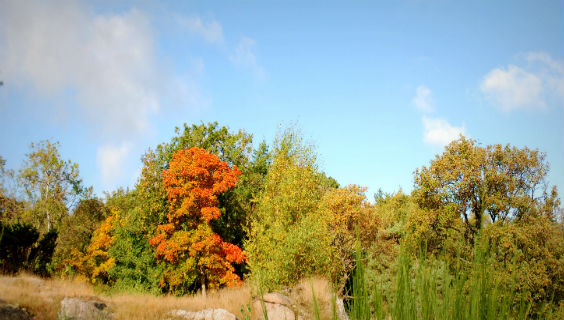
277,306
79,309
207,314
341,312
277,298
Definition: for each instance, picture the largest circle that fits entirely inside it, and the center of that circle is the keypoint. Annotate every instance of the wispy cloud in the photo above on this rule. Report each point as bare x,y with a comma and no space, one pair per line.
100,69
436,131
423,100
440,132
108,61
528,86
110,160
244,55
211,32
513,88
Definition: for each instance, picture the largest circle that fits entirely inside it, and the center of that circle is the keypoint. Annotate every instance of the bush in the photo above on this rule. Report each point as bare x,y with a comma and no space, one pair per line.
15,242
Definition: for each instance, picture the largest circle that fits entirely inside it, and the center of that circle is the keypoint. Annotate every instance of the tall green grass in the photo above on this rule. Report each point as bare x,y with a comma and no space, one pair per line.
426,288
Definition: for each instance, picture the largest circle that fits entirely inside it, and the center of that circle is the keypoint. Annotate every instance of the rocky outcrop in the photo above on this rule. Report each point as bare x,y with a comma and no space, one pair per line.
341,312
280,307
79,309
277,307
208,314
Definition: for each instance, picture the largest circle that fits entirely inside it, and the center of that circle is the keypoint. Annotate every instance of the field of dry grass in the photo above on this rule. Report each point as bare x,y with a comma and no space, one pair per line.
43,298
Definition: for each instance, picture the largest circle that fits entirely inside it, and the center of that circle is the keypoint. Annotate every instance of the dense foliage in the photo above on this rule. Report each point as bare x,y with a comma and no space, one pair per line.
288,240
480,236
187,246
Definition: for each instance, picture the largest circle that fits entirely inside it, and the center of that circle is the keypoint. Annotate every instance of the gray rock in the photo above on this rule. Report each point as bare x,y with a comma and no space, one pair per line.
78,309
274,311
341,313
277,298
207,314
276,305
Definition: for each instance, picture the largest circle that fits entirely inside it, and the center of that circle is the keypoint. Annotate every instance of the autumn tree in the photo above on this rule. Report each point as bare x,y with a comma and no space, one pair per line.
482,183
52,186
528,257
146,206
349,217
187,245
233,147
96,261
77,229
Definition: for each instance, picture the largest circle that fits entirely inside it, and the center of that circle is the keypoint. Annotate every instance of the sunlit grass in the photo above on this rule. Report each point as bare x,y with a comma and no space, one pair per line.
43,297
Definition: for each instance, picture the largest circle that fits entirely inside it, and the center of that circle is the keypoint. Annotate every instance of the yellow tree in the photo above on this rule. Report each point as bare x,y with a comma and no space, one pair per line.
479,183
288,237
349,217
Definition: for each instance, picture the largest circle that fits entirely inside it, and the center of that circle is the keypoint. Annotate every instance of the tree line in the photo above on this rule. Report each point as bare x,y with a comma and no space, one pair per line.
212,208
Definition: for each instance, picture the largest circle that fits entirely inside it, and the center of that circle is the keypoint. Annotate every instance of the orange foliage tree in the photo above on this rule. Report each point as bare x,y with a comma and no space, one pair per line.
191,251
95,262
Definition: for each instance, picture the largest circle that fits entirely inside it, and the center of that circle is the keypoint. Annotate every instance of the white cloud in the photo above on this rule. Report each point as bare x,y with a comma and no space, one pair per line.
110,161
423,100
545,59
439,132
244,55
529,86
107,61
212,31
513,88
549,70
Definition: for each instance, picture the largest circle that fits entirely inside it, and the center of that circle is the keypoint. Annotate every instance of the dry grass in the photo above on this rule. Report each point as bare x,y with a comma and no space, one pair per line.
302,295
142,306
43,298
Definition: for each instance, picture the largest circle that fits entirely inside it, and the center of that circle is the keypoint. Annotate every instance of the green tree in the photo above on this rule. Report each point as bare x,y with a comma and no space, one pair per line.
40,256
10,208
15,242
135,267
5,176
52,186
481,183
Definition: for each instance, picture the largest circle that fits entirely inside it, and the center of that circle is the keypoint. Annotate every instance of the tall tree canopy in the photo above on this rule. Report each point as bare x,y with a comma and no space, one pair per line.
52,185
235,148
186,244
475,182
288,237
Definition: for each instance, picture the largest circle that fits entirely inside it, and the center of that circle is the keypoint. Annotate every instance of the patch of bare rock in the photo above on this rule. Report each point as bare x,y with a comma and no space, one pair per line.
207,314
277,306
83,309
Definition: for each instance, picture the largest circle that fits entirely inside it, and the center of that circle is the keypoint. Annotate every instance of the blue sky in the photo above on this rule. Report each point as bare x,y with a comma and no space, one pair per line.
378,87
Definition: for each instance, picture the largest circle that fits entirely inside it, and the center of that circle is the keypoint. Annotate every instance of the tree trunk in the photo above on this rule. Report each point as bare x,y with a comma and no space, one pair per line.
204,287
